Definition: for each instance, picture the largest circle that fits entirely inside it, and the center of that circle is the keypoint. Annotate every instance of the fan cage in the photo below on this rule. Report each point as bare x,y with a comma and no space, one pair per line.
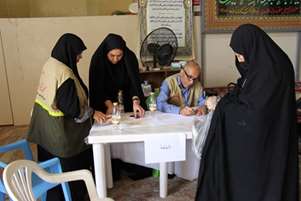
160,36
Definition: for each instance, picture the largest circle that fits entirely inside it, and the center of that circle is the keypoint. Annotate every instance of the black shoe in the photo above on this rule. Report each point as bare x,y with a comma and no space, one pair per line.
137,172
171,176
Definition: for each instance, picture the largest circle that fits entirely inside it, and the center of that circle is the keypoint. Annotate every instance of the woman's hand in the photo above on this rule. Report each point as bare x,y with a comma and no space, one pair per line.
138,110
99,117
211,102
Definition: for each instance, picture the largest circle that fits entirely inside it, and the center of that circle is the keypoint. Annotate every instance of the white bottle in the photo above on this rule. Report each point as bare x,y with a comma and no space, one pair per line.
146,88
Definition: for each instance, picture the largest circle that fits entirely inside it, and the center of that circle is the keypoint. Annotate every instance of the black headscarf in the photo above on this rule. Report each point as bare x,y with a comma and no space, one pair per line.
66,50
106,79
251,149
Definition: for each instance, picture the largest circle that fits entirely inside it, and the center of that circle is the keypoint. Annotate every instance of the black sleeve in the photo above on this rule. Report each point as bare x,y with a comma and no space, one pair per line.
110,93
136,89
96,85
67,100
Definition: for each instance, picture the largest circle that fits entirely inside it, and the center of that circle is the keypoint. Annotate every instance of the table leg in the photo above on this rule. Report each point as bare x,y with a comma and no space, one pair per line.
163,180
99,168
109,176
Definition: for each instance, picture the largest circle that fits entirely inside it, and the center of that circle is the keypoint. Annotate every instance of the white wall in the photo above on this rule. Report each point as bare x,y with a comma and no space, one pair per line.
27,43
5,107
219,58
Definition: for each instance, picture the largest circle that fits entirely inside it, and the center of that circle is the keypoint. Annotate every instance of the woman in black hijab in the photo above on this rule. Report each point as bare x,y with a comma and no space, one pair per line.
114,67
251,150
60,120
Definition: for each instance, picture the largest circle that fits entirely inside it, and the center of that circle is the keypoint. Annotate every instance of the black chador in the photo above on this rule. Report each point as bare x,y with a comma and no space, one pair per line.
251,150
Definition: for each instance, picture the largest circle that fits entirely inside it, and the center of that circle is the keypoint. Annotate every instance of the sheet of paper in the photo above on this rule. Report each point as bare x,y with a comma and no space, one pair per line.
154,119
165,148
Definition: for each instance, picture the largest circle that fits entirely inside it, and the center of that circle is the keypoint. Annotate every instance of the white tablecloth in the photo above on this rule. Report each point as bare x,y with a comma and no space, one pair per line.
134,152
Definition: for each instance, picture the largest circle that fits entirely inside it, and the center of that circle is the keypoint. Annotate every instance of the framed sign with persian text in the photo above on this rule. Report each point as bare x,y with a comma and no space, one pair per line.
173,14
271,15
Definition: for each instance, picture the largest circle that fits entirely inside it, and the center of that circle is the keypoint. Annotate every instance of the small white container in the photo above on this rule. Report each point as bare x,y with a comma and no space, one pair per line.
146,88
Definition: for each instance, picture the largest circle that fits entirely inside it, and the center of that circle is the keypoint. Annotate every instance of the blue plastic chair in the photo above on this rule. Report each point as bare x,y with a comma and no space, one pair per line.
40,187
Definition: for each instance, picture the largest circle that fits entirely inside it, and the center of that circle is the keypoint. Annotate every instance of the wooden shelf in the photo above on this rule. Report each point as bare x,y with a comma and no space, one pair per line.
156,77
161,70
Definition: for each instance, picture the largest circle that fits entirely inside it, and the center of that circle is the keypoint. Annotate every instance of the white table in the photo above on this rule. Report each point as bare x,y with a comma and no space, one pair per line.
133,130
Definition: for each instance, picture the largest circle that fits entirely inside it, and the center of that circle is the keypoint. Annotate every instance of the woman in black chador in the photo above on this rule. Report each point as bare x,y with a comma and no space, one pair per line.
114,67
251,150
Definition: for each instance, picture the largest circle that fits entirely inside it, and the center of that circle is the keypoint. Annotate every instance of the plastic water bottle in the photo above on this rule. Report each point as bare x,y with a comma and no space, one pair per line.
116,116
152,102
120,101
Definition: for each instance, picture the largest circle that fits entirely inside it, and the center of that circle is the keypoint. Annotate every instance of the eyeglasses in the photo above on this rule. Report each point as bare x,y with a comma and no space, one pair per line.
190,77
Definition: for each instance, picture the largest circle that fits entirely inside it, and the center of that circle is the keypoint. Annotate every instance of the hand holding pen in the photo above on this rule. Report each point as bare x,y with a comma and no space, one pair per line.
187,111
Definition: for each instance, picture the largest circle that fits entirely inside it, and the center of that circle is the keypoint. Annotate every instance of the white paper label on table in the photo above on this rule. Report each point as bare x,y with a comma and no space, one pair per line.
165,148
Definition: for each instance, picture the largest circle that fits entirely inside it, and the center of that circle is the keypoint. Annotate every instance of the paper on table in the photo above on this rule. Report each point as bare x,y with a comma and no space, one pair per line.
165,148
